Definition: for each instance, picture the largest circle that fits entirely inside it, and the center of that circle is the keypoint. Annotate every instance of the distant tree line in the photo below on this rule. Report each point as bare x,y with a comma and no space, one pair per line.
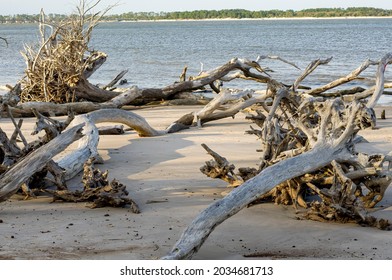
218,14
26,18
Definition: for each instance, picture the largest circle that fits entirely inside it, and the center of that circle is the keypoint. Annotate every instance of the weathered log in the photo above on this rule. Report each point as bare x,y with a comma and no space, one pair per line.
198,231
73,162
328,129
182,123
54,109
325,149
35,161
87,91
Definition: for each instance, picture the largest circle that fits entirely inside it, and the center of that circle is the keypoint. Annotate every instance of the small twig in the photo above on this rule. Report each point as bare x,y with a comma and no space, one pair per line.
15,134
25,143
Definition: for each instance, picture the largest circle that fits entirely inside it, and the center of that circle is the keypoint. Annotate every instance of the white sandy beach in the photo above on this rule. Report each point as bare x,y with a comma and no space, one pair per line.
162,175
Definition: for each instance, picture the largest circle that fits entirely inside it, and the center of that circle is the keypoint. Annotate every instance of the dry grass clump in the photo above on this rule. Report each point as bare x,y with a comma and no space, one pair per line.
62,57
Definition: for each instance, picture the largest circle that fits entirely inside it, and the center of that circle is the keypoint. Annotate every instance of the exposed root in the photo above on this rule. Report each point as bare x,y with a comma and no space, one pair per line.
98,191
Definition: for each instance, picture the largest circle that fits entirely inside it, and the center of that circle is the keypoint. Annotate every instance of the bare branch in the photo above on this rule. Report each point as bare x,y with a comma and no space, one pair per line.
5,40
309,69
261,57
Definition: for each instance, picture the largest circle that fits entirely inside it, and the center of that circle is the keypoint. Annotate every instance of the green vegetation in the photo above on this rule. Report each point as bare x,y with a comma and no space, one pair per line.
221,14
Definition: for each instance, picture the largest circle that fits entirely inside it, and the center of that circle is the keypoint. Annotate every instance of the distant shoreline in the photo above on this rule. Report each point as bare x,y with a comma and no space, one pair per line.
252,19
225,19
222,14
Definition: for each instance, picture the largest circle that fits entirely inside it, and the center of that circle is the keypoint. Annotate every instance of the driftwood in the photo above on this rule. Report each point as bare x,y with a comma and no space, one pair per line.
307,135
36,165
220,168
52,109
115,80
11,180
111,130
58,70
307,140
46,80
293,129
73,162
62,59
324,151
97,190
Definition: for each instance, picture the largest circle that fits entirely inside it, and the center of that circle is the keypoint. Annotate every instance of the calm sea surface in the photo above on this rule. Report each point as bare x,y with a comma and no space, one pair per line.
155,52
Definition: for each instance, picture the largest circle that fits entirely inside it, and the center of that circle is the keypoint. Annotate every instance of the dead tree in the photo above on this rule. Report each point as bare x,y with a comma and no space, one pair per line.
307,140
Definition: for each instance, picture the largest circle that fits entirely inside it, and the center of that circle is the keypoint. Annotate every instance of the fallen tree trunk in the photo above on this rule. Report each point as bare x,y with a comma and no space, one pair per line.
89,92
202,226
73,162
20,172
54,109
325,150
304,136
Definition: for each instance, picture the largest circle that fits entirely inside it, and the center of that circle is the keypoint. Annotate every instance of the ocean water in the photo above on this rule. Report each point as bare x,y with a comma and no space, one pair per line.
156,52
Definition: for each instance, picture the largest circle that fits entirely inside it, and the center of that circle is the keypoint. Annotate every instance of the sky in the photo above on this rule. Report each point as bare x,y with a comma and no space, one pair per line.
9,7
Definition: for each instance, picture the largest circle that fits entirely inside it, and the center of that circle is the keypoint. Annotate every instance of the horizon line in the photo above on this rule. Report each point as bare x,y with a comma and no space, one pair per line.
228,9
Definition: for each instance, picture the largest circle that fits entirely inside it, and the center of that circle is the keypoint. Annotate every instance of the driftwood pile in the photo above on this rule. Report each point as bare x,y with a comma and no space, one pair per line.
308,135
62,59
98,190
308,157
